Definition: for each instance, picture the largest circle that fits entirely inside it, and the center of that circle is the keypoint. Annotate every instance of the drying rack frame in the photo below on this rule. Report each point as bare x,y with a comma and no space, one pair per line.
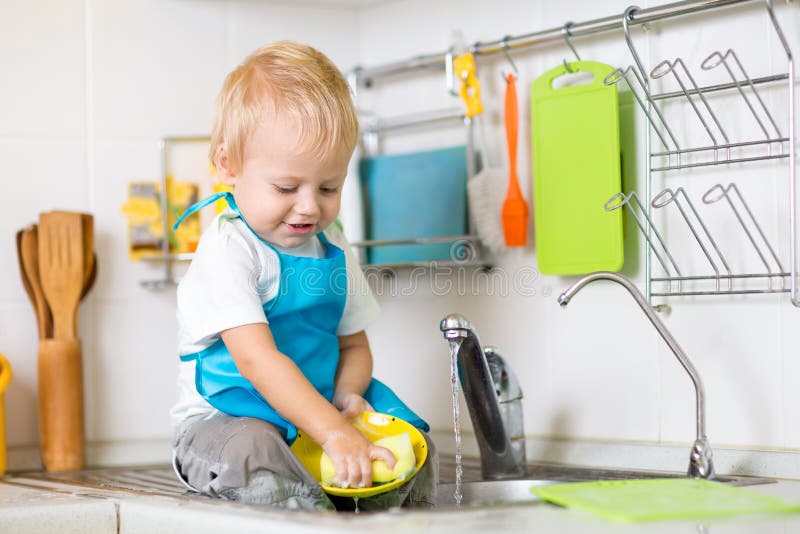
720,151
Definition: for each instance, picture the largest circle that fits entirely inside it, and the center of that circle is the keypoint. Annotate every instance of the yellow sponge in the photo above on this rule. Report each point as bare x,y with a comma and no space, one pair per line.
403,451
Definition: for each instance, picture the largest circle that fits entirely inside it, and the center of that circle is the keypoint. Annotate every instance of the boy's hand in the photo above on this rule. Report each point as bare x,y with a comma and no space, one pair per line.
352,455
351,404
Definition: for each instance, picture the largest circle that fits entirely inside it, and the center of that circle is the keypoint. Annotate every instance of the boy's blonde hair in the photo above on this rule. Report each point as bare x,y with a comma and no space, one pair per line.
291,78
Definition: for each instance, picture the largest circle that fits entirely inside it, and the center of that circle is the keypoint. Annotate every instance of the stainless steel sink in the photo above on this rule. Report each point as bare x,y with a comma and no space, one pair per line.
476,493
490,492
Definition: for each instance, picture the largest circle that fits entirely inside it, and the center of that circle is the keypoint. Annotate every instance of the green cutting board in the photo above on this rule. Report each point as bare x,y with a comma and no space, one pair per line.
576,169
661,499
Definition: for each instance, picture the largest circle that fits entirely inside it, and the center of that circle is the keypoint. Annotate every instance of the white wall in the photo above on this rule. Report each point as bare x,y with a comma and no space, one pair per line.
90,86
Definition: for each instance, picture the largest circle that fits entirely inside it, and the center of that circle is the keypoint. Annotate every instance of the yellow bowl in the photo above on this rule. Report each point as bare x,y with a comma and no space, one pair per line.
374,426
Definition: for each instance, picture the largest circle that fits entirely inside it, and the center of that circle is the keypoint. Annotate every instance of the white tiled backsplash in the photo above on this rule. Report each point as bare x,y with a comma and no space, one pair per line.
90,86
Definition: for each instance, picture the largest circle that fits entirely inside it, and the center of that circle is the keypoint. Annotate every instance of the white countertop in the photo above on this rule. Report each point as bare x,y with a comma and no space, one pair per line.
28,506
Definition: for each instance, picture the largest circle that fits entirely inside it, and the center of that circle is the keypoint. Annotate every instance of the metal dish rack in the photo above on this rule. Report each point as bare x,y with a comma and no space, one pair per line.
666,154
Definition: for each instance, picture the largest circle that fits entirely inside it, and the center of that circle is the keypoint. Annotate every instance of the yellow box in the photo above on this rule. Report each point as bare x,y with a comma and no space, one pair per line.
146,222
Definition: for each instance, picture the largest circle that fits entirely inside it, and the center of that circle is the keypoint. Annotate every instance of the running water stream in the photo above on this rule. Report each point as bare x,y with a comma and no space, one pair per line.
454,346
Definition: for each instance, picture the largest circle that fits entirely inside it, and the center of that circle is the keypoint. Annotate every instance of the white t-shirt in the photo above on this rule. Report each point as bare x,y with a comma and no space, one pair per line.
231,276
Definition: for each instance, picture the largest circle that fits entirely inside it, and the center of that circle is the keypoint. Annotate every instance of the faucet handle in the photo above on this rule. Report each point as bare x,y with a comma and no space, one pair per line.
505,380
454,321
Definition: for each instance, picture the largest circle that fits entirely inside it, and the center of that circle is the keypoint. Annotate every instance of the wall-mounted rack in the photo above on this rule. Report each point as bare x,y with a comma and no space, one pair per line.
166,258
465,249
665,154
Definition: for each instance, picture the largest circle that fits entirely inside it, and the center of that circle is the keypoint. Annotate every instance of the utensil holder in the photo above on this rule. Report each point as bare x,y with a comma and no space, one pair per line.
61,419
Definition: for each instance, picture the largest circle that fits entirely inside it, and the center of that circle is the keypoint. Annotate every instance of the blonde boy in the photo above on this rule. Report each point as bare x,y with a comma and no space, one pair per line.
273,309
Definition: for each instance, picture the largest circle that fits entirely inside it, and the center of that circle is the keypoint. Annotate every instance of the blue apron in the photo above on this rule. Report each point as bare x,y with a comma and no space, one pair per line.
303,319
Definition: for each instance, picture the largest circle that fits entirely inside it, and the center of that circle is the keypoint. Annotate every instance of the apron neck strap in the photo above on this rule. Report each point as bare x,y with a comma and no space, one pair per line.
197,206
228,197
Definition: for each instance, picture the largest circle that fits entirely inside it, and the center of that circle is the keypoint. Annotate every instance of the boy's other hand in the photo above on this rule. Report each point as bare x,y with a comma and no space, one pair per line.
351,404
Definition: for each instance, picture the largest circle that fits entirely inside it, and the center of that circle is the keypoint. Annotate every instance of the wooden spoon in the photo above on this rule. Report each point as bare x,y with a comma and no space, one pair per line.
87,228
25,282
28,244
61,268
88,284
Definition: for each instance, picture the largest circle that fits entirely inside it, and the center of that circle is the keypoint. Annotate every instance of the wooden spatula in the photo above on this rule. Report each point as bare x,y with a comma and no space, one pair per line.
61,267
89,256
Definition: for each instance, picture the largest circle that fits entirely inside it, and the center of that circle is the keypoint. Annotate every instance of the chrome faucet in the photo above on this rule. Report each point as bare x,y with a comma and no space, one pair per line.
701,463
493,397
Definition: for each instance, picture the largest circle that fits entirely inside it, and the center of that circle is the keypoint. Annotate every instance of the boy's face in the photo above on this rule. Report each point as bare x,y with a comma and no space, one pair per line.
285,194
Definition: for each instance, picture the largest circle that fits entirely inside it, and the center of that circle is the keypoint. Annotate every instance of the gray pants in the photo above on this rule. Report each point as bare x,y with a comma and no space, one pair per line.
246,460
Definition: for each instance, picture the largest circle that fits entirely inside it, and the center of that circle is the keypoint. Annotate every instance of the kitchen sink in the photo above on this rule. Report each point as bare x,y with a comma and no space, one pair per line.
477,493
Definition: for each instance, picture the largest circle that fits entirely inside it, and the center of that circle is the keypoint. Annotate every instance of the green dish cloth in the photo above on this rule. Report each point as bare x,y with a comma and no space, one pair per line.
661,499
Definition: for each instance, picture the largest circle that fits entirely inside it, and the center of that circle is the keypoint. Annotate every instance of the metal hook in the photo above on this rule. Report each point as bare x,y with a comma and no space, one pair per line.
627,17
449,72
508,57
567,34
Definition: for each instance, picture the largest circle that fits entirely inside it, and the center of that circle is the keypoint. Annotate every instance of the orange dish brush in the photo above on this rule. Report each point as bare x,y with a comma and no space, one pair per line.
515,209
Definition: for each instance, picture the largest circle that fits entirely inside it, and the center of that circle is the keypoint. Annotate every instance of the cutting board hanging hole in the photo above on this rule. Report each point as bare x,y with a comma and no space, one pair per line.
572,79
